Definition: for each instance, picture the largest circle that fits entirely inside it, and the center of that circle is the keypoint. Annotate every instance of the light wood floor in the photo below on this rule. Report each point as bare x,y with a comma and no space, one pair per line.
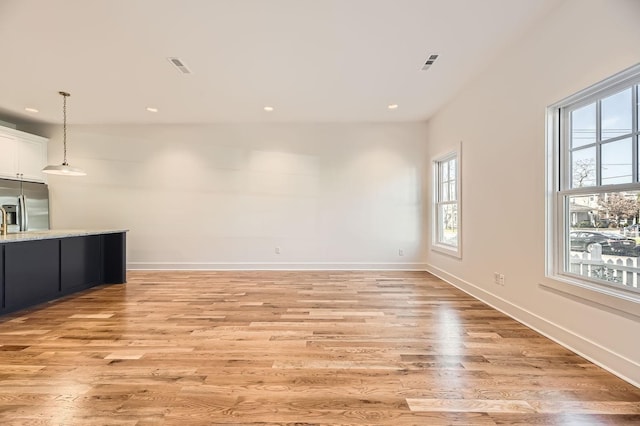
304,348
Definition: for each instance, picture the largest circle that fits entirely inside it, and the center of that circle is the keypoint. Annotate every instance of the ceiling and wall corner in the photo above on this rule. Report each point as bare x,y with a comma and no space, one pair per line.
314,61
334,62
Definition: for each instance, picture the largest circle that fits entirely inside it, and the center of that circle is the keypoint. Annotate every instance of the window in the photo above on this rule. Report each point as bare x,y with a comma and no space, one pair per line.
595,186
446,205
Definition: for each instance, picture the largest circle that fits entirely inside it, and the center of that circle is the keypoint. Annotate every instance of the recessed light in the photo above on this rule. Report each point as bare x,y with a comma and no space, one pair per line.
151,109
392,106
268,108
28,109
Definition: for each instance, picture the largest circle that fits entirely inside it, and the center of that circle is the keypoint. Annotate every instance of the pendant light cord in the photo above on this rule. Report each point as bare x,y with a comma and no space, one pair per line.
64,169
64,126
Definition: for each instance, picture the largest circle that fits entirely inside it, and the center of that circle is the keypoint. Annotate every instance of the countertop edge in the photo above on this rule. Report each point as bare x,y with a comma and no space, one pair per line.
56,233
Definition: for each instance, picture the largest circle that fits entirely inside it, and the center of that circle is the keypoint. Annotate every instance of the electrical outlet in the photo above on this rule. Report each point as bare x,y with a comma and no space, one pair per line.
501,279
400,252
496,278
277,250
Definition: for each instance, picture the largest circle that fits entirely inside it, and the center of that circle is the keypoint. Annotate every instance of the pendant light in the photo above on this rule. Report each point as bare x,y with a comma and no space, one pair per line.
64,169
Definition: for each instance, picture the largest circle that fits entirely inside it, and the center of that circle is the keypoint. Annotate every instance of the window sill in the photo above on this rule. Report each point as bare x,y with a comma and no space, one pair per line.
612,299
448,250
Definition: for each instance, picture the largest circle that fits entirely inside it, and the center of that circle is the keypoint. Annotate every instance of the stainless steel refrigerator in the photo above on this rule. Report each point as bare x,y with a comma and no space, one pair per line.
26,204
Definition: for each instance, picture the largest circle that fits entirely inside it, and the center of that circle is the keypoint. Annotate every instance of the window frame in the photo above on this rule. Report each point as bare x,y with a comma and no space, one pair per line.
559,188
436,242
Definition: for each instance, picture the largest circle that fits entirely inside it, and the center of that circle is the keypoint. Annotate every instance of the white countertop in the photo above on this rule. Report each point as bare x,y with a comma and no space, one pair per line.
55,233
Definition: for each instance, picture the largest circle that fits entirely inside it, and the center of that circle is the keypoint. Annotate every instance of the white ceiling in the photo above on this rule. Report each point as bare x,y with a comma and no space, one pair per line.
313,60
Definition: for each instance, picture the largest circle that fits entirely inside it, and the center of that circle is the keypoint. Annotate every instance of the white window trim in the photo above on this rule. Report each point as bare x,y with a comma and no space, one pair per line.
556,279
455,251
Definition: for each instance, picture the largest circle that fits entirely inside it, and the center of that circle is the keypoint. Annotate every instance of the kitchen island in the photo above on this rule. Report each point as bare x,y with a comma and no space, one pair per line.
39,266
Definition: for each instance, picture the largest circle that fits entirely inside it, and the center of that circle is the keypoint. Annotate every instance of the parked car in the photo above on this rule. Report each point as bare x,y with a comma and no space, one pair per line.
611,243
633,228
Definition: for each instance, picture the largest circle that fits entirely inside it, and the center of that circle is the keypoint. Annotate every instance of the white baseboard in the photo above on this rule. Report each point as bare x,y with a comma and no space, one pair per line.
625,368
270,266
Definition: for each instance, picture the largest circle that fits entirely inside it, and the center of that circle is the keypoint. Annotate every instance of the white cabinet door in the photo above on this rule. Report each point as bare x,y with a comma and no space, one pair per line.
8,157
22,155
32,158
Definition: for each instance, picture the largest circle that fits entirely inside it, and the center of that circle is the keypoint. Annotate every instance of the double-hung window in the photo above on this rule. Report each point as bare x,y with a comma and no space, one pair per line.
446,205
594,165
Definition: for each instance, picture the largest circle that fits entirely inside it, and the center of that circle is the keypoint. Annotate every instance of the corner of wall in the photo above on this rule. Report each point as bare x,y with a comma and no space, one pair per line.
611,361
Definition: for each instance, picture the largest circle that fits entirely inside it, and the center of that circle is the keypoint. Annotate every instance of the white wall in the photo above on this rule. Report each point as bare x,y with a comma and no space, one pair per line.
225,196
500,117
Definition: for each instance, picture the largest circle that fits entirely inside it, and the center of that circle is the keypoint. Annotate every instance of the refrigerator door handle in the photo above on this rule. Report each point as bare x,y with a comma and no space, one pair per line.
24,218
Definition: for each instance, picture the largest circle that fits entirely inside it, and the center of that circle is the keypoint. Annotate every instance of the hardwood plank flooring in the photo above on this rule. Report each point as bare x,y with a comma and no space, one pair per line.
292,348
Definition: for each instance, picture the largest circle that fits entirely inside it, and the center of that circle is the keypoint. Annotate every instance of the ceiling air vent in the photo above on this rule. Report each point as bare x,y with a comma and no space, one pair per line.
181,66
430,60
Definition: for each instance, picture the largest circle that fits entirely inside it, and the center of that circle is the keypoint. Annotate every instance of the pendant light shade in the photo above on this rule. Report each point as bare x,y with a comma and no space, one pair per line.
64,168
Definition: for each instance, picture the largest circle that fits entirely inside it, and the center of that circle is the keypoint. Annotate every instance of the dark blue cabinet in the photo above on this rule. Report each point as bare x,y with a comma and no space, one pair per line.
1,279
31,273
80,263
37,271
115,258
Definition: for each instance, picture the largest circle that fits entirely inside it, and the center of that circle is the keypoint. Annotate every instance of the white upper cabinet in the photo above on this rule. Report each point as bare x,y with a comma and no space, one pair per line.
32,158
22,155
8,157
